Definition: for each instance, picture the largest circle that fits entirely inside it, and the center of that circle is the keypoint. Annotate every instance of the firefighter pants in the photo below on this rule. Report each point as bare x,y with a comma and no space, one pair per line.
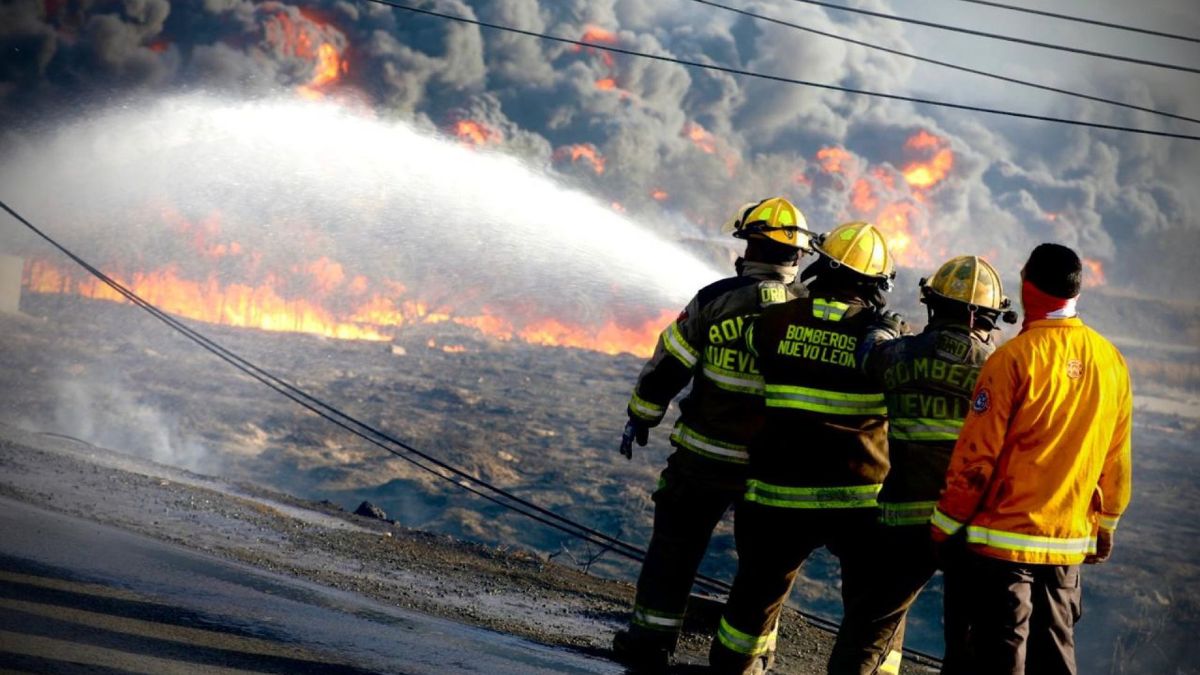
1022,616
897,577
772,543
687,507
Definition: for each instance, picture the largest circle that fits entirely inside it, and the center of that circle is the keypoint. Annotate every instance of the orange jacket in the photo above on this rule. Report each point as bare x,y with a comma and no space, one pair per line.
1043,458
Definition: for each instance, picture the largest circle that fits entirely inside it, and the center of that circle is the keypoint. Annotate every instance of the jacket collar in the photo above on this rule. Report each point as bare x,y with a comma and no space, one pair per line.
760,270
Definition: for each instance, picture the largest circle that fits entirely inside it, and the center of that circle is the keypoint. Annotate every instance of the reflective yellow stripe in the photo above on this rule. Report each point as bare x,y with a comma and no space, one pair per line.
944,522
656,620
646,410
824,497
712,448
1109,522
1029,543
742,643
678,347
924,429
830,310
905,513
824,400
891,665
731,380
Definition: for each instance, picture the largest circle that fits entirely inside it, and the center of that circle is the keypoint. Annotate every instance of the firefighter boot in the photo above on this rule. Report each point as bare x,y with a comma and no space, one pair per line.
642,651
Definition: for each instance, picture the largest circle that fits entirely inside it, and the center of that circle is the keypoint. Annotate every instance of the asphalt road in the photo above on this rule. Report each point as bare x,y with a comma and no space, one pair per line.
77,596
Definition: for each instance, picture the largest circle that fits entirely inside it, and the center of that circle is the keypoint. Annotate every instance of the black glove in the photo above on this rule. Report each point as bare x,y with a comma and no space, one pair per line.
634,430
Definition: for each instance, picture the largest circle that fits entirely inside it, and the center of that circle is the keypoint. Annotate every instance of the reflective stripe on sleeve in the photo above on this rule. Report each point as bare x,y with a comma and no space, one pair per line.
830,310
731,380
944,522
924,429
824,497
742,643
906,513
651,412
1109,522
656,620
712,448
891,665
678,347
1029,543
824,400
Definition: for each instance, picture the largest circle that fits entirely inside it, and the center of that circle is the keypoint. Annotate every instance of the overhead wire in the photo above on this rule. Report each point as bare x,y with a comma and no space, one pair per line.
1081,19
945,64
997,36
779,78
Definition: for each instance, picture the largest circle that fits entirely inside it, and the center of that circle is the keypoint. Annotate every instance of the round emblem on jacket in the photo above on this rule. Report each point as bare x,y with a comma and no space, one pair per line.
1074,369
983,401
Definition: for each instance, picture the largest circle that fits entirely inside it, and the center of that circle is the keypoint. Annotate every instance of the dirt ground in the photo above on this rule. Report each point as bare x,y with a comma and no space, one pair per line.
509,591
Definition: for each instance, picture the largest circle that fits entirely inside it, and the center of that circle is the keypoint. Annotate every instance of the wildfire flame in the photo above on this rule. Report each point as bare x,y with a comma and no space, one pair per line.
1093,273
308,38
476,134
700,137
584,151
926,174
321,297
896,201
659,195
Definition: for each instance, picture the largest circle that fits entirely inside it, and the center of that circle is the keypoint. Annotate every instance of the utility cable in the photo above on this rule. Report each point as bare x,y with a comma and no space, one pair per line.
1080,19
779,78
945,64
361,429
997,36
377,437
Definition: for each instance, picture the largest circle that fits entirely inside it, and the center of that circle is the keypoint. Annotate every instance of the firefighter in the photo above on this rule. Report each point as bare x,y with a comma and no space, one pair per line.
706,473
1039,476
927,381
820,459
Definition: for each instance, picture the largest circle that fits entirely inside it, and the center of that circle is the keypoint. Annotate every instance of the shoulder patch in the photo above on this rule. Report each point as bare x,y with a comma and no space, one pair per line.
771,293
1074,369
983,401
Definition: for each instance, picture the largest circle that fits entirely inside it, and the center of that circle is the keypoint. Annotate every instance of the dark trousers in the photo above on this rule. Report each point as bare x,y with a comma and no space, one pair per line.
1022,616
772,543
904,564
687,508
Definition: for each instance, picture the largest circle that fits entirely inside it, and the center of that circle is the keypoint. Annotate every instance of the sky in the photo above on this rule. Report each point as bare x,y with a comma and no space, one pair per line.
677,148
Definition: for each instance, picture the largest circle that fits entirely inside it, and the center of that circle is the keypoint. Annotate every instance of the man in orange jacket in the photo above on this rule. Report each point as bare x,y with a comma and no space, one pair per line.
1039,476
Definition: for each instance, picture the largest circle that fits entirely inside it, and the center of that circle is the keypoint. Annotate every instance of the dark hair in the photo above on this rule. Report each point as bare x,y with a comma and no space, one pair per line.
1054,269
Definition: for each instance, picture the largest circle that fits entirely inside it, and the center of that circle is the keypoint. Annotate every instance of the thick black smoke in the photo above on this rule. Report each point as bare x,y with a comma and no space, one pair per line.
703,141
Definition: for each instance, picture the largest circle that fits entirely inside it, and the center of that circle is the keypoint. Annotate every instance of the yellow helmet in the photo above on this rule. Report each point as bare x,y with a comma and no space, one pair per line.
775,219
859,246
970,280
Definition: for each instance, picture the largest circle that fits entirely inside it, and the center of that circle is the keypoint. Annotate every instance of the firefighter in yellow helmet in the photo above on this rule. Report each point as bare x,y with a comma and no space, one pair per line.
706,473
821,457
927,381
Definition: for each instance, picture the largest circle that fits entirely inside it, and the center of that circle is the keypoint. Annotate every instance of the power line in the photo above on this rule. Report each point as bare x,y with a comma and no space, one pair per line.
946,64
1080,19
780,78
377,437
997,36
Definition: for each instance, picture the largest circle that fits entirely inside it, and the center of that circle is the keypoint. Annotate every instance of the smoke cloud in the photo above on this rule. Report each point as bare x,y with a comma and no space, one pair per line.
669,143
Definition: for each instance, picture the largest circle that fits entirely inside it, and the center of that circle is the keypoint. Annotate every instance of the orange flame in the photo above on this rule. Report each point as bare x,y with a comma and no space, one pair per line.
659,195
861,196
585,151
308,39
926,174
1093,273
306,298
700,137
475,133
835,160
